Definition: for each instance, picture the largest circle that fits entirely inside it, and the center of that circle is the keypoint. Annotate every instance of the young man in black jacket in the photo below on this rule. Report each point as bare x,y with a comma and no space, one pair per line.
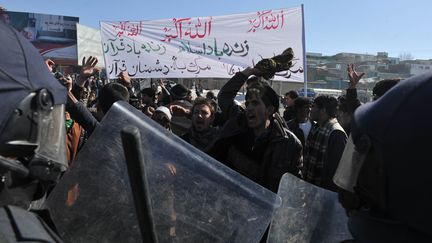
324,145
254,141
301,124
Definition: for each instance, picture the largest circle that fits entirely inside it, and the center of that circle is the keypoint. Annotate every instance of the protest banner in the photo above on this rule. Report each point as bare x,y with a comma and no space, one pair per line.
203,47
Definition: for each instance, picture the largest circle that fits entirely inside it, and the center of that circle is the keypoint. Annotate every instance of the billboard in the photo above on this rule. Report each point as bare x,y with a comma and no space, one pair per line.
203,47
53,35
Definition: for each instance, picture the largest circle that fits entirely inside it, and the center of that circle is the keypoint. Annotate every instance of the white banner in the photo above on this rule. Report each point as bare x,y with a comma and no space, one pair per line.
205,47
89,44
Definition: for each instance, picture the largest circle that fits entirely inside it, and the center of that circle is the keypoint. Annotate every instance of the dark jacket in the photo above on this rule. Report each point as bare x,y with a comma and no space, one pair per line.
352,101
79,113
201,140
289,113
81,93
294,127
264,159
323,151
350,105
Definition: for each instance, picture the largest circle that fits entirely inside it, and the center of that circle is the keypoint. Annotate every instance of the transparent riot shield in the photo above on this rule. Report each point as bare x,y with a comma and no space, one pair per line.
193,197
308,214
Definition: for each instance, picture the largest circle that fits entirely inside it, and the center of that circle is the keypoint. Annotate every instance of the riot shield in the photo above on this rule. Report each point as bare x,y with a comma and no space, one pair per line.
193,197
308,214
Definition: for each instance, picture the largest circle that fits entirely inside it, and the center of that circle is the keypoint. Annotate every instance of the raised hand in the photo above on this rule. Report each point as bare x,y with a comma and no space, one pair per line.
124,79
179,110
68,82
149,111
354,77
50,64
88,69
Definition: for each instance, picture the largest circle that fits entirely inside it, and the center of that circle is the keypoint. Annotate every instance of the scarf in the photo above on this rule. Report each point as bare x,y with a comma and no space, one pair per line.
202,140
315,151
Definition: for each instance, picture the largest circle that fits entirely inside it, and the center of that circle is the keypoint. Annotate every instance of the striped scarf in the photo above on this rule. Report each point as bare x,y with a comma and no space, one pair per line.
315,150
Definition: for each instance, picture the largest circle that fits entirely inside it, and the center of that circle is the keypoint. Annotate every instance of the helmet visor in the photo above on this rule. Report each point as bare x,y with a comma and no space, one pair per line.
51,152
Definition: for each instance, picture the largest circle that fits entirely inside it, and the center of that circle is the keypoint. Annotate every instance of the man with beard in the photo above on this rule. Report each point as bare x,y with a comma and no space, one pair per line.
254,141
325,143
288,101
148,96
202,133
301,124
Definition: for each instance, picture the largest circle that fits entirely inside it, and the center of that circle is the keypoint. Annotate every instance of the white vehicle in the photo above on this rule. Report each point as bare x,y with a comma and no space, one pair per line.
332,92
314,92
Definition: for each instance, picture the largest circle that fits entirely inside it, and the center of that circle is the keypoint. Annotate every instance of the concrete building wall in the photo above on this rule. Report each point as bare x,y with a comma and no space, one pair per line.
417,69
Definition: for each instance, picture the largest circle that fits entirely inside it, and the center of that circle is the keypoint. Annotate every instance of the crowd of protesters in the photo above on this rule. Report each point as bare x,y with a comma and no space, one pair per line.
253,138
307,140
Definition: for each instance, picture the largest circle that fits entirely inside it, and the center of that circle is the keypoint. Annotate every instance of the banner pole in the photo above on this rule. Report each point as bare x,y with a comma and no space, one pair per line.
304,55
108,80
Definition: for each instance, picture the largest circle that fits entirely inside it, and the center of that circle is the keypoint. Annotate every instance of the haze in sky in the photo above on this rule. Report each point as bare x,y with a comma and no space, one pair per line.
332,26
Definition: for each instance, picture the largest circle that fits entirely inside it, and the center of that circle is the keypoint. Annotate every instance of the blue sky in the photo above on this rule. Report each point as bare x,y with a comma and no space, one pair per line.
332,26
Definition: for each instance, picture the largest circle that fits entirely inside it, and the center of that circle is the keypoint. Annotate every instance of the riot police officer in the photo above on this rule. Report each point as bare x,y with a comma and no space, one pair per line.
32,137
385,170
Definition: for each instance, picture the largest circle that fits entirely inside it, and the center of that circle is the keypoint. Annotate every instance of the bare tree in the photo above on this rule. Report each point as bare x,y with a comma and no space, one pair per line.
406,56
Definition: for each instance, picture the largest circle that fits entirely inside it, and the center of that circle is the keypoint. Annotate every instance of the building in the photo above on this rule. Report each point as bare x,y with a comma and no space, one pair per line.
420,66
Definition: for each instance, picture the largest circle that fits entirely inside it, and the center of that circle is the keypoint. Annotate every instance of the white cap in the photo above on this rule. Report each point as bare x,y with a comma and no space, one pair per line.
165,110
